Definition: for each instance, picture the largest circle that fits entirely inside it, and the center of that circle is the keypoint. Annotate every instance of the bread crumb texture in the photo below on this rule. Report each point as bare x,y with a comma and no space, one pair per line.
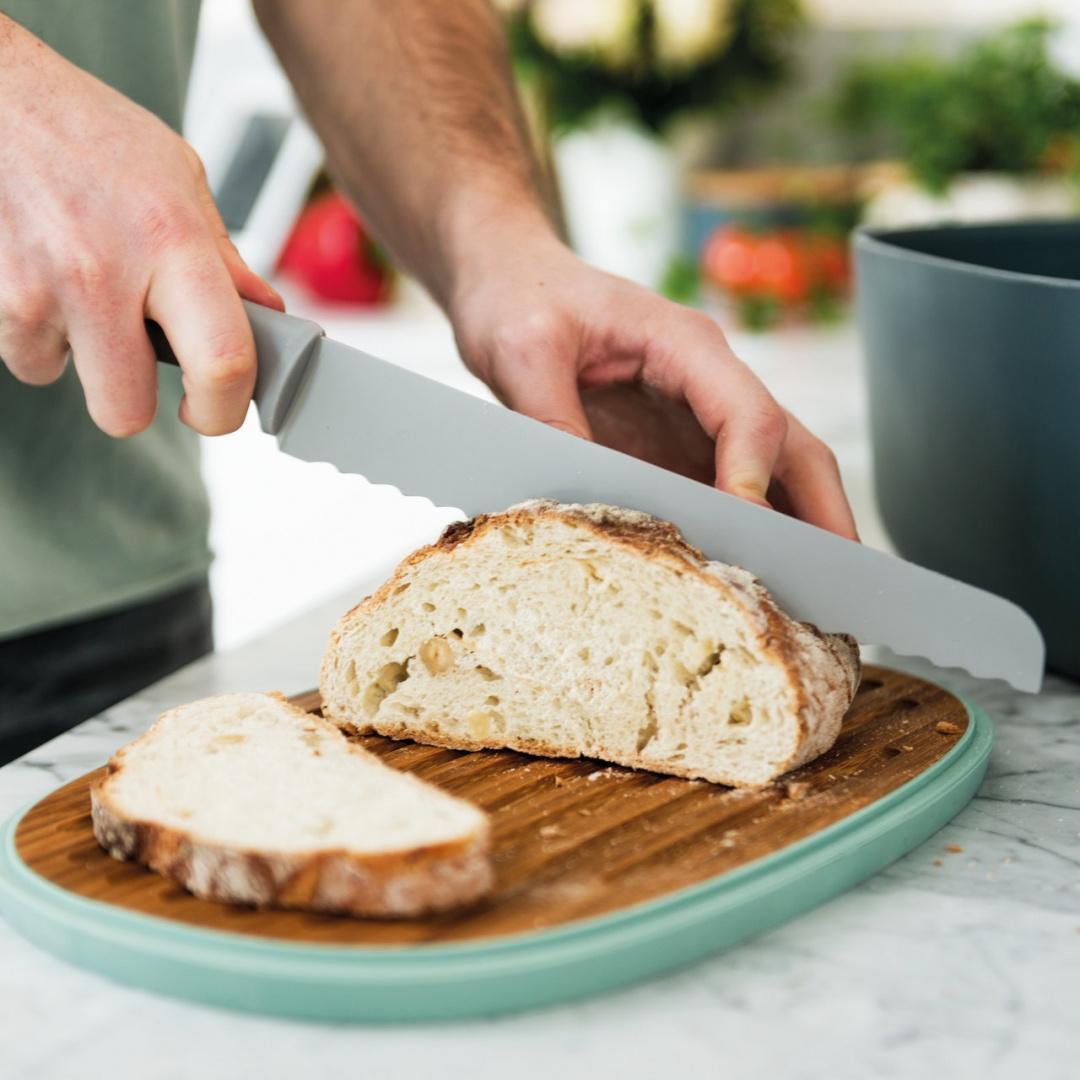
589,631
245,798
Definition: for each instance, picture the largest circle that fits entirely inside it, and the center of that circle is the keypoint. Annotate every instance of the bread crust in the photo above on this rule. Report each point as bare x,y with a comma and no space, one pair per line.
822,670
389,884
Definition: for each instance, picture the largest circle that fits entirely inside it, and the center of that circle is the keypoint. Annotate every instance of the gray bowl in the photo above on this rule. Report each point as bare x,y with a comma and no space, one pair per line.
972,343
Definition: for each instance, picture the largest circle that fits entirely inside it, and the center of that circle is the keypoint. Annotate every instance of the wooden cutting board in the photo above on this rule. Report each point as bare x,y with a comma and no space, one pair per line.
579,845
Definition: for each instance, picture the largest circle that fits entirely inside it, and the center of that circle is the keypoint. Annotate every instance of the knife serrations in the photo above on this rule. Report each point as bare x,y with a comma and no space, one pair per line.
367,416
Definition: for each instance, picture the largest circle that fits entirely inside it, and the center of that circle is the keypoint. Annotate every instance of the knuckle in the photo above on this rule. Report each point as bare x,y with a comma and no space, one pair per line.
27,313
691,338
525,338
768,421
82,270
163,226
692,324
824,455
819,448
808,446
230,360
701,323
32,349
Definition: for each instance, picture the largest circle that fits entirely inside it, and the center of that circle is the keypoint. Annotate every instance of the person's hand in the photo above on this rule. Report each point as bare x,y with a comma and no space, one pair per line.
106,221
606,359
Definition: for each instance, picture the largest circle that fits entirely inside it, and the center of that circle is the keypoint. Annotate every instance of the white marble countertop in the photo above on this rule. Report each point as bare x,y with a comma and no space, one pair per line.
970,968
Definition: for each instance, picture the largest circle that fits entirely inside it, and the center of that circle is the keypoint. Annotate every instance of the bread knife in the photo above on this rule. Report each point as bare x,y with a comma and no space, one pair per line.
328,402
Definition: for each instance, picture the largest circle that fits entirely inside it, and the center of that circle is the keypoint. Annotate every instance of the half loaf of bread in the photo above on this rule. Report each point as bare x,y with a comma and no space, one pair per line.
244,798
589,631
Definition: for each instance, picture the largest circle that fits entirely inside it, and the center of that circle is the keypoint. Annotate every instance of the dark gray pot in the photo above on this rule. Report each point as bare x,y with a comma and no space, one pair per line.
972,344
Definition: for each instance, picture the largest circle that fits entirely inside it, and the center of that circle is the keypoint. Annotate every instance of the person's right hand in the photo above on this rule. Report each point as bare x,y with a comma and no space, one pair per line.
106,220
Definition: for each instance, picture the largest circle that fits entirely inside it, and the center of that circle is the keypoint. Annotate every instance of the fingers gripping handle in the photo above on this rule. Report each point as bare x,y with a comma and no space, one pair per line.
284,346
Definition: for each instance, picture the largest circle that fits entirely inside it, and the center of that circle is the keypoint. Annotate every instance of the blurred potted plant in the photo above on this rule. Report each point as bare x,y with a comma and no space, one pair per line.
993,133
611,79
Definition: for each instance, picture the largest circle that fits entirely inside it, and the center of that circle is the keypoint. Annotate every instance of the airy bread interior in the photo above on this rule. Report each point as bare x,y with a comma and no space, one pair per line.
219,789
589,631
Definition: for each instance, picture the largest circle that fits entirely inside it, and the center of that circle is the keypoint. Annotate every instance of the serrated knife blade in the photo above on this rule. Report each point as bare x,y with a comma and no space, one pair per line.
328,402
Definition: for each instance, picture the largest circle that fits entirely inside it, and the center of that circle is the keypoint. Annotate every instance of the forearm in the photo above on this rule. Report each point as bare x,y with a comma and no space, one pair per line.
415,104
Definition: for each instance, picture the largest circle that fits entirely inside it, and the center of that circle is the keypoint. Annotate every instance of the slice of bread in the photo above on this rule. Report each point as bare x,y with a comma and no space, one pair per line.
589,631
244,798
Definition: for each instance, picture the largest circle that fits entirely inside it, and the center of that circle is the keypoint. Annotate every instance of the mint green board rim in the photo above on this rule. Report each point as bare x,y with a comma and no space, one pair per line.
498,975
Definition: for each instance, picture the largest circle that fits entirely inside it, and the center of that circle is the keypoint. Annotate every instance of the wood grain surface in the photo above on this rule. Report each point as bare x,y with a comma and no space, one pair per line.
573,838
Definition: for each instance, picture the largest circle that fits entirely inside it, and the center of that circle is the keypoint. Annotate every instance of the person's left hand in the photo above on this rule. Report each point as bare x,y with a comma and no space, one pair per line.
606,359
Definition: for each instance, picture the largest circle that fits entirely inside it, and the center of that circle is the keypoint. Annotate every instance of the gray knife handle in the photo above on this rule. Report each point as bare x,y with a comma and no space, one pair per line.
284,345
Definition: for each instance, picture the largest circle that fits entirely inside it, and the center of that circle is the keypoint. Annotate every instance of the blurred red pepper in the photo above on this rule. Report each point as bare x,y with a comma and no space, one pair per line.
331,253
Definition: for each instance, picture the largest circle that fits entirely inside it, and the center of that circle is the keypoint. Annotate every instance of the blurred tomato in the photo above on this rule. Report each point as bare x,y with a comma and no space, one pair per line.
330,252
728,258
780,270
783,267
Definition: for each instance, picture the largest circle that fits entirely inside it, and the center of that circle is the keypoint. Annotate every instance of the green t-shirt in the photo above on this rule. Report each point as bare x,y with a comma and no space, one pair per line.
89,523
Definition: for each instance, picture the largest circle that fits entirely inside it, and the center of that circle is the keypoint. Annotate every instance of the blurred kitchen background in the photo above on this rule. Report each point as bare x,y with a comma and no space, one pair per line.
719,151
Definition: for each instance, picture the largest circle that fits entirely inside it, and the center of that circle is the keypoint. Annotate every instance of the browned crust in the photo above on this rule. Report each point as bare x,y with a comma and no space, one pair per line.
823,670
645,533
390,884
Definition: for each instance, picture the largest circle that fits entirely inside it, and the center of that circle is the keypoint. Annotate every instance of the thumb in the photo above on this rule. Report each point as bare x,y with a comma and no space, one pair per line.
545,392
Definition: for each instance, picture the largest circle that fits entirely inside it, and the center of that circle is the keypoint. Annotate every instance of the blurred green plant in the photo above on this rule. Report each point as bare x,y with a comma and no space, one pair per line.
682,281
652,59
1000,104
